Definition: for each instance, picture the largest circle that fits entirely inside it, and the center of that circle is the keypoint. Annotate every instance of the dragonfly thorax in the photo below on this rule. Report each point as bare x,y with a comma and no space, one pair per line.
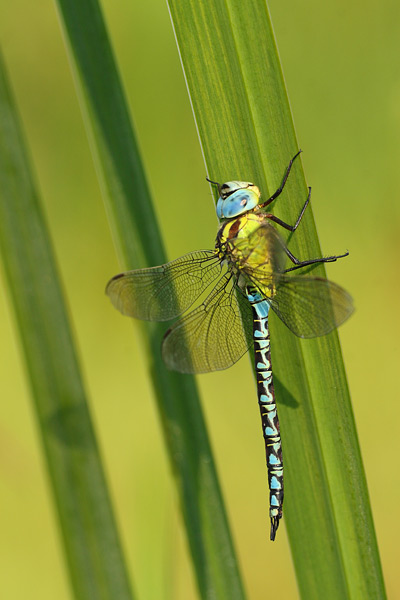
236,198
250,248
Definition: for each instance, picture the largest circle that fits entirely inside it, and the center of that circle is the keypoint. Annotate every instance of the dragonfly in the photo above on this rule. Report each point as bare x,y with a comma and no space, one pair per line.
242,278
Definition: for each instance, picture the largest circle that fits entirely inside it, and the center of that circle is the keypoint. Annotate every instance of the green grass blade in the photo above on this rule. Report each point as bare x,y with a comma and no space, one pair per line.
138,239
246,130
89,532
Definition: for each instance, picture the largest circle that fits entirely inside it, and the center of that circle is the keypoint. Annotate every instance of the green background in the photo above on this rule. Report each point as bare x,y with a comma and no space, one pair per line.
341,69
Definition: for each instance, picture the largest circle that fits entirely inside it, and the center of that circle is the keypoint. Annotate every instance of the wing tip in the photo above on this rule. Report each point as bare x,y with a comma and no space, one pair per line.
111,281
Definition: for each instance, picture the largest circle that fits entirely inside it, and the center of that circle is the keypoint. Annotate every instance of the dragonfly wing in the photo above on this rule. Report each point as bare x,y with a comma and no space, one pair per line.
213,336
310,306
162,293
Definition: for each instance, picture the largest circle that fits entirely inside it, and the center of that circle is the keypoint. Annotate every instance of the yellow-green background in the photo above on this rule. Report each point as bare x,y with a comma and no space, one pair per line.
341,63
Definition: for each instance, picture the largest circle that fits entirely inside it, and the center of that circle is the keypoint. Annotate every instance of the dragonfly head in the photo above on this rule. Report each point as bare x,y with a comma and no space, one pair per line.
236,198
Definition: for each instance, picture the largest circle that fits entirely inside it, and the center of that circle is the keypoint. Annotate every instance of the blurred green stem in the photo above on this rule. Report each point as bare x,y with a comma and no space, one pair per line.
137,237
94,555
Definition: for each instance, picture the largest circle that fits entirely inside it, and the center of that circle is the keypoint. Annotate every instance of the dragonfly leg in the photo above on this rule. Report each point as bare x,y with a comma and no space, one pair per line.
304,263
286,225
280,189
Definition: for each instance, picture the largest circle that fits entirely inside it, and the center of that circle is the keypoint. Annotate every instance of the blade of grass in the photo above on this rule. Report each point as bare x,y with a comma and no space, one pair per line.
245,125
137,237
91,544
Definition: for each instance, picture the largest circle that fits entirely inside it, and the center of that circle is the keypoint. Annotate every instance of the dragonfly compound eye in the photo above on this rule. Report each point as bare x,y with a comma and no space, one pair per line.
236,203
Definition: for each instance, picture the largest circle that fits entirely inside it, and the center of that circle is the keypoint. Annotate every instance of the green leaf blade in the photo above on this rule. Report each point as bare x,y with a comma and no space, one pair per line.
92,548
245,125
137,238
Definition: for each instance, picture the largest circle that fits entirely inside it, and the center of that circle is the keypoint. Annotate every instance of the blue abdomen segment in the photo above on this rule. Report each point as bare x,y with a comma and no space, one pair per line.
267,405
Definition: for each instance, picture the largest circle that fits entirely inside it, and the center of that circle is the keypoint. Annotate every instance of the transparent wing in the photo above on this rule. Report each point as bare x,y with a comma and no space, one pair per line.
213,336
162,293
310,306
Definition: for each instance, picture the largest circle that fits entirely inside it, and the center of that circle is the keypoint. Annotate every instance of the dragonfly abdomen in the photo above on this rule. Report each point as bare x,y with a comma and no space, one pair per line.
267,405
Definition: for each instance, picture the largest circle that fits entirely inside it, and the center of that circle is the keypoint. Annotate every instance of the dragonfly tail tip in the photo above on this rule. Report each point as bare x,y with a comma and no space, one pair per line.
274,527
